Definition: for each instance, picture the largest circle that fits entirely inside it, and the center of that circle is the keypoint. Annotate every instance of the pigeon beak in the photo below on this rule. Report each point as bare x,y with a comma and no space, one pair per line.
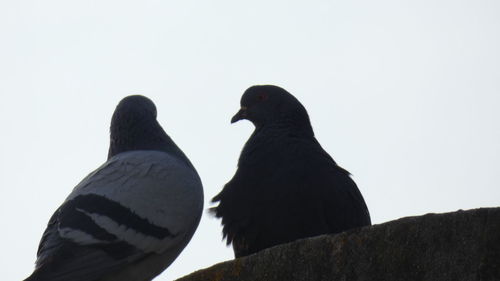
241,114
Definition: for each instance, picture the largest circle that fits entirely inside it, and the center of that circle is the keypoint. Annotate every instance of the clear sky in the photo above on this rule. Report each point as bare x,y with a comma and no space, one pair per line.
403,94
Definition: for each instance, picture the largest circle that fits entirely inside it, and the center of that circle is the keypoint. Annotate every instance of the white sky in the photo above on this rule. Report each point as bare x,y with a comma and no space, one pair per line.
404,94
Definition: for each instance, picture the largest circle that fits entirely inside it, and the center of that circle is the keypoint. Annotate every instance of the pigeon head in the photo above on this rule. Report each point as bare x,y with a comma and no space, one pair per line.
134,127
136,107
265,105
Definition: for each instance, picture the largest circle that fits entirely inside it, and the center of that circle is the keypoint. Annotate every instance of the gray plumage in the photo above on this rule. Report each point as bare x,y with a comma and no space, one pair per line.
129,219
286,186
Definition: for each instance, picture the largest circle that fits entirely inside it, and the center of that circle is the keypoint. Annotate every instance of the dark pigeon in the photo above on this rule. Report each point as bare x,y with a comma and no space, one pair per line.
286,186
129,219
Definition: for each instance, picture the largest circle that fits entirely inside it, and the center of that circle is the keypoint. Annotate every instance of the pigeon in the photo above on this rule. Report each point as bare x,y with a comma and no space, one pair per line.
129,219
286,186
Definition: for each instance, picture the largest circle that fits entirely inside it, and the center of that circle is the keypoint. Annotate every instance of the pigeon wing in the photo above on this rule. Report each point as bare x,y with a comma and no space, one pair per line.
342,202
138,204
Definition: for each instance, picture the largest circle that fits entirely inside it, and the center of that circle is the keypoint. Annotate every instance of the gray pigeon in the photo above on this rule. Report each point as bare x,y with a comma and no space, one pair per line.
286,186
129,219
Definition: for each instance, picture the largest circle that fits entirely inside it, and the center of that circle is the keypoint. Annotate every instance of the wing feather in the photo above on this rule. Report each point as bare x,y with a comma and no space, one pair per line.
137,204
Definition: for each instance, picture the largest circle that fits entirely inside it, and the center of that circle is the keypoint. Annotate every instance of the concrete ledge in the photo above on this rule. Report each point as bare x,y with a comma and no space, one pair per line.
463,245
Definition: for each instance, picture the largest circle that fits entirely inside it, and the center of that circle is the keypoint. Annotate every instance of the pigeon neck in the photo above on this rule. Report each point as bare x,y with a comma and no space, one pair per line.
292,125
127,138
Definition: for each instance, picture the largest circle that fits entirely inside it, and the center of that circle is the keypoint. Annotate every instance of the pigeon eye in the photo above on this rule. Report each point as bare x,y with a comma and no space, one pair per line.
261,97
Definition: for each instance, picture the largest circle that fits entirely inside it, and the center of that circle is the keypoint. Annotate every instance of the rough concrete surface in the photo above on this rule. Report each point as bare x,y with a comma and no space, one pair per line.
463,245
